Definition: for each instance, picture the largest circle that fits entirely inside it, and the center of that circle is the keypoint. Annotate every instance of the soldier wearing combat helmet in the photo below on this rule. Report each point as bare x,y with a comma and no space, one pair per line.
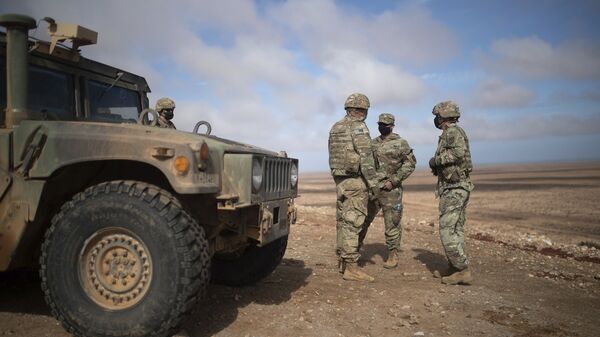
352,166
396,162
165,108
452,165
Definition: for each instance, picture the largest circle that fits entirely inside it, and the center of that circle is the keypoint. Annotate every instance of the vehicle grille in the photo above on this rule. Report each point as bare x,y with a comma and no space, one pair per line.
276,180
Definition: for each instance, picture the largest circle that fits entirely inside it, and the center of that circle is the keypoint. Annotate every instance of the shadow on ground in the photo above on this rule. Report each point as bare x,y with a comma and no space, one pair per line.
20,292
371,250
433,261
222,305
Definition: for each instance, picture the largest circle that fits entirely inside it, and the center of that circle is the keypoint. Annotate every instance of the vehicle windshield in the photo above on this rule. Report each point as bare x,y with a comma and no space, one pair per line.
113,104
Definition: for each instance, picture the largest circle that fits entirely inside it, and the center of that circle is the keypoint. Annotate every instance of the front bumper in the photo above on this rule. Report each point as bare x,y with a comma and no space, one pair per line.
275,219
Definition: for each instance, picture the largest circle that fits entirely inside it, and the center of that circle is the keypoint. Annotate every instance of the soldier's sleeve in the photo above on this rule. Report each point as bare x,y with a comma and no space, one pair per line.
453,148
408,160
364,148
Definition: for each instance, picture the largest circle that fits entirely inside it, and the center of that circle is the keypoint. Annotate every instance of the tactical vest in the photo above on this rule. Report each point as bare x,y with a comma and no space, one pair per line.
343,159
461,170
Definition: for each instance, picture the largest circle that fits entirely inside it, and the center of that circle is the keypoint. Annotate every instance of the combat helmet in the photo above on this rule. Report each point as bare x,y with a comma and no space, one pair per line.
447,109
165,103
386,118
357,100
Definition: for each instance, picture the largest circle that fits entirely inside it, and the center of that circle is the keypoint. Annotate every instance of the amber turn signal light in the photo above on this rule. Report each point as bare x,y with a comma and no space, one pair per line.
182,164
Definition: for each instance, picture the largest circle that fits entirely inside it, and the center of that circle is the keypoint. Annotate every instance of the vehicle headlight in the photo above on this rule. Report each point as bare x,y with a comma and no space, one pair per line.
257,175
294,175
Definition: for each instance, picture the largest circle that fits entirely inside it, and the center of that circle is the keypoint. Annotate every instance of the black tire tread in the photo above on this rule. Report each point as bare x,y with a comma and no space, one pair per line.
255,264
192,243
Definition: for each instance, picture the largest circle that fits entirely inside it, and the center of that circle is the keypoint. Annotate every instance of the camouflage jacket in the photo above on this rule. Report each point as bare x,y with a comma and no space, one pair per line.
350,151
453,159
165,123
395,158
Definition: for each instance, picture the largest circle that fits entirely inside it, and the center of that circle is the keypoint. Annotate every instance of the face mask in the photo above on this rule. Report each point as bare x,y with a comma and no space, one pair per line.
385,129
437,121
168,114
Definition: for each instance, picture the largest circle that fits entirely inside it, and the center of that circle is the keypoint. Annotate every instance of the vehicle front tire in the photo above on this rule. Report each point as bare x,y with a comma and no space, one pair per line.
123,258
255,264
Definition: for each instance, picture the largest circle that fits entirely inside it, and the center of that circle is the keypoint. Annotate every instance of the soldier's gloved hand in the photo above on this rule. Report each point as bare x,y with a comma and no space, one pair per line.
432,163
388,186
433,166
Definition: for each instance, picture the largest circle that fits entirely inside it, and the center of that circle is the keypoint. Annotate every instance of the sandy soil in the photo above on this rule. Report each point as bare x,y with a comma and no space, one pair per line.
533,239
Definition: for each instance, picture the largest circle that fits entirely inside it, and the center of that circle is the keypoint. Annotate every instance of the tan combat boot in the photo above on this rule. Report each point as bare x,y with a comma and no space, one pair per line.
445,272
392,260
460,277
353,273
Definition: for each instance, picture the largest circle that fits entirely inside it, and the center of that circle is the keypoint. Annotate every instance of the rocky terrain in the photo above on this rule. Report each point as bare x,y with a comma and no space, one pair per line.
533,237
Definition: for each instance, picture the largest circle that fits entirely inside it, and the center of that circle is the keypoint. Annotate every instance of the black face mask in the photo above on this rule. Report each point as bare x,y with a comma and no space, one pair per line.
437,121
385,129
168,114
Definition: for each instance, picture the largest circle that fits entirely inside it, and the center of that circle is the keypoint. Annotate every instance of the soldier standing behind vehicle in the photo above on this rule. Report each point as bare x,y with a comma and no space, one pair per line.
452,165
397,162
166,111
353,169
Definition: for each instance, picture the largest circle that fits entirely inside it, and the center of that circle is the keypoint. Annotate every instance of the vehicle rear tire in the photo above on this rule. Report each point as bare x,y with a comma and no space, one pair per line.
123,258
255,264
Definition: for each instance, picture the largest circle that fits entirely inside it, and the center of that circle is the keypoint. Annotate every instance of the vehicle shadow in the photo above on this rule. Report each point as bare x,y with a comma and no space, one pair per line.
433,261
221,307
20,292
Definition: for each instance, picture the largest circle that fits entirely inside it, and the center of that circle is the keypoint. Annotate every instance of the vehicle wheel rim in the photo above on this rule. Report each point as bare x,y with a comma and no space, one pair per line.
115,268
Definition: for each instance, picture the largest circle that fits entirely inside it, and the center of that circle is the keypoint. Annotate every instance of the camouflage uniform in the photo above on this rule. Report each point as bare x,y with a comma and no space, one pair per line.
165,123
352,166
452,165
397,162
165,104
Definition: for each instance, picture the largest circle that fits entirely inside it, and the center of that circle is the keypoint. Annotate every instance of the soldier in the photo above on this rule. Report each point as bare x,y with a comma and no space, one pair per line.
165,108
396,161
353,169
452,165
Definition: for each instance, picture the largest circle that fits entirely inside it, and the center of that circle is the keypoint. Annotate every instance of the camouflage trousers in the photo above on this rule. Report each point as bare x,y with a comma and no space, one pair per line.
351,211
391,204
453,209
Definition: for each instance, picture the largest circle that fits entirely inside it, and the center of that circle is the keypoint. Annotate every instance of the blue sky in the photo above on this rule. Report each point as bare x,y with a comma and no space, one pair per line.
276,73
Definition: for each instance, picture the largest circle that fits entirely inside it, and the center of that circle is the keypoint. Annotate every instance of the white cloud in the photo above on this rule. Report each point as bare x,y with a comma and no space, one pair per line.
494,93
481,127
405,34
254,87
349,71
533,57
569,95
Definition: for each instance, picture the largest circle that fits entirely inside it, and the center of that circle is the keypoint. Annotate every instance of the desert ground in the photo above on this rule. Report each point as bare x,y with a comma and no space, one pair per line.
533,237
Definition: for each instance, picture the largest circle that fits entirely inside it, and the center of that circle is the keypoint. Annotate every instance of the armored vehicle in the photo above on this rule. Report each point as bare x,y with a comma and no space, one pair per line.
125,221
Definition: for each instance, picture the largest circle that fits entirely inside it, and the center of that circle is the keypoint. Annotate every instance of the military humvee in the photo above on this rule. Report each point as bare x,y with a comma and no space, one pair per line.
126,222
